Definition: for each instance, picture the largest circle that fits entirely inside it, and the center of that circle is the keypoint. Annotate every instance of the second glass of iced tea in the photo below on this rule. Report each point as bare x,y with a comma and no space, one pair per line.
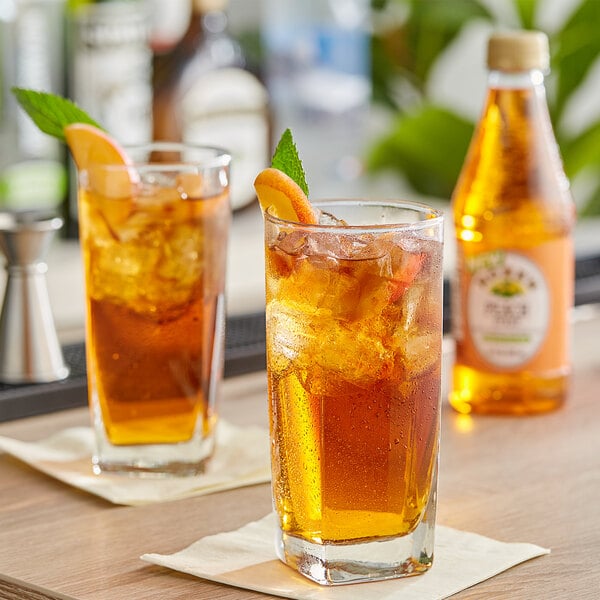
354,334
154,241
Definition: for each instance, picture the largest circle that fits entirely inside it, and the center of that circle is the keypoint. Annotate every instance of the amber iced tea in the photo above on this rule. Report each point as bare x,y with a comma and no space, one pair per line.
155,269
354,323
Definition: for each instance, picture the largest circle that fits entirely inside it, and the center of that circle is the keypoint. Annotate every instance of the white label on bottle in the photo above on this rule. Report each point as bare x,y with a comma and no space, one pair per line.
227,108
37,59
112,69
508,307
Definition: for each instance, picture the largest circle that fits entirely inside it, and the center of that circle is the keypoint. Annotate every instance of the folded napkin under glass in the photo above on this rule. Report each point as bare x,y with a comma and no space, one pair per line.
241,458
245,558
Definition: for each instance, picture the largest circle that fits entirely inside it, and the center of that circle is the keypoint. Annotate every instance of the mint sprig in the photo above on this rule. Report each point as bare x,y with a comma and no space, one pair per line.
286,159
51,113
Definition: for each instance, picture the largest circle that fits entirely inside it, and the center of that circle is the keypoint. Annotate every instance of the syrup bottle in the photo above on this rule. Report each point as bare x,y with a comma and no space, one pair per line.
513,216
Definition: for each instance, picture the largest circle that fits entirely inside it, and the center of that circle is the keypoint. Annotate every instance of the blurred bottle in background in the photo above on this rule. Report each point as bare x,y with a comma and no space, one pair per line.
110,65
110,69
32,164
203,94
318,76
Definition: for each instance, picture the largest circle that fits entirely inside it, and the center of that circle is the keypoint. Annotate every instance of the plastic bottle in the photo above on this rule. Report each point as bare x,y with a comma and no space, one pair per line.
317,64
204,94
513,215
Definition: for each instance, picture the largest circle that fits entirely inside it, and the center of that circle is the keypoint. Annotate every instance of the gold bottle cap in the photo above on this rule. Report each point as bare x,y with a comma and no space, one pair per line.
518,51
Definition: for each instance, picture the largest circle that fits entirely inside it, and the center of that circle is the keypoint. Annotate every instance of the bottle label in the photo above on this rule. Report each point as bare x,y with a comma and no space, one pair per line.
508,307
112,66
228,108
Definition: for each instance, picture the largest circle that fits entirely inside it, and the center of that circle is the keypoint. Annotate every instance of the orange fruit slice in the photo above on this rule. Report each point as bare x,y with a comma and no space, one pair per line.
93,149
90,145
285,198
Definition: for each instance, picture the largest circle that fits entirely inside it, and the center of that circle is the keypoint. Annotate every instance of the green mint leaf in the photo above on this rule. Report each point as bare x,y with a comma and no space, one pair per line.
51,113
286,159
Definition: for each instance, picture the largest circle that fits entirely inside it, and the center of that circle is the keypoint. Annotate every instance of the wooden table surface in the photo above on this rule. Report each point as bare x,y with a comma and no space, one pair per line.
534,479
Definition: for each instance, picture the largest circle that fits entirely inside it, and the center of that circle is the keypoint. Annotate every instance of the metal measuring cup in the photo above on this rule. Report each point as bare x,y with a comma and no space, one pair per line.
29,347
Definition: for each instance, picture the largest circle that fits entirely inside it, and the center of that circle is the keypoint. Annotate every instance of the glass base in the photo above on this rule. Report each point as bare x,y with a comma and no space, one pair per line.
338,564
142,469
153,460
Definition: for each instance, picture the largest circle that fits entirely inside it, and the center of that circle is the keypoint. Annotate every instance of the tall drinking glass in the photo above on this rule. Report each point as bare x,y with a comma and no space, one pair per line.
354,334
154,239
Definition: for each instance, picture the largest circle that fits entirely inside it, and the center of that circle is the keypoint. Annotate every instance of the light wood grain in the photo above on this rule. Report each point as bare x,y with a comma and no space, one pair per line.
514,479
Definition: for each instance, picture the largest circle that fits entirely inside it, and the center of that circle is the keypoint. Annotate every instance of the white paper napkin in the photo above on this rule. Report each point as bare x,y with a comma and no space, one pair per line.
241,458
246,558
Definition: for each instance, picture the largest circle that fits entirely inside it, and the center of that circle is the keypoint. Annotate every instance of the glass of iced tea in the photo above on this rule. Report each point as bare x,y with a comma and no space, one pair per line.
153,235
354,335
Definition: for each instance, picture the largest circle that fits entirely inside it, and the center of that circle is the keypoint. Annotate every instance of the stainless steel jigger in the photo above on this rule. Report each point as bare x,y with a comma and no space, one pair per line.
29,347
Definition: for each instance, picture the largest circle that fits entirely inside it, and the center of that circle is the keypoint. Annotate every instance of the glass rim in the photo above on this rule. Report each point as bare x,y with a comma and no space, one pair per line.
435,218
207,157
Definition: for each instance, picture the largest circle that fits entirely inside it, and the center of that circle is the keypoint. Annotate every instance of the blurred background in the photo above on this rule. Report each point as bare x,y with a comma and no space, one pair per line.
381,95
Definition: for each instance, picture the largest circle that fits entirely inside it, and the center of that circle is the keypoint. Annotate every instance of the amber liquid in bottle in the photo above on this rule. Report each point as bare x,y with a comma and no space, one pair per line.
513,289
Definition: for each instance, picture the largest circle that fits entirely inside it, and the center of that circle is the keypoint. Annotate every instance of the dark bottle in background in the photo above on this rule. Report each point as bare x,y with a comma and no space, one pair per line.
204,94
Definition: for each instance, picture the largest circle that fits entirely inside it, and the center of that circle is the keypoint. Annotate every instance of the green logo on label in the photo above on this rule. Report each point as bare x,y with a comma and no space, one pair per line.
507,288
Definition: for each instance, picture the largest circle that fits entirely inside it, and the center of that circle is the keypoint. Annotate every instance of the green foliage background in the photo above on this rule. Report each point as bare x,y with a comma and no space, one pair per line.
427,142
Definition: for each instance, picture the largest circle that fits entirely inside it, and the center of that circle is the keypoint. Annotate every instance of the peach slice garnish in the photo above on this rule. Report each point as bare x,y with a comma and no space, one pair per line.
285,198
92,149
